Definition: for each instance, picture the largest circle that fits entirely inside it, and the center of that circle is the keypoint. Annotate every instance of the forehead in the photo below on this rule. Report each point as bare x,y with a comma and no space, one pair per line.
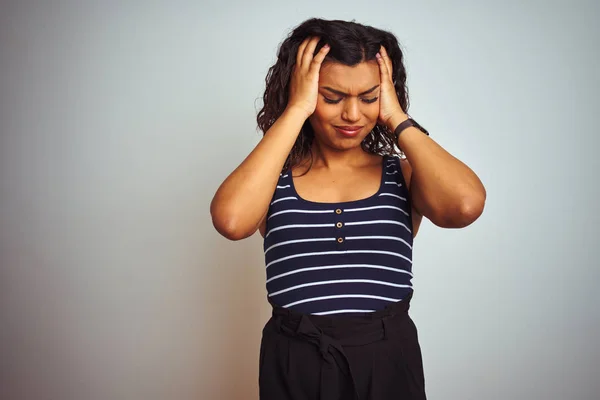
352,80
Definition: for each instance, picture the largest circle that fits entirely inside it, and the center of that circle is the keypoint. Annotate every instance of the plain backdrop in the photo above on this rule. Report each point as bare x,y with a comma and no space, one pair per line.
120,119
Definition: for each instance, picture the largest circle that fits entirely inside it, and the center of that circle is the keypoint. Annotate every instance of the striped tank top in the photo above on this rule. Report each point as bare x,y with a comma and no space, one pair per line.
335,258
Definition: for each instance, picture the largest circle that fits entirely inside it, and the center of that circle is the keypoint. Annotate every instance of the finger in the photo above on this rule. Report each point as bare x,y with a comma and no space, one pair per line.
383,69
309,51
301,51
388,62
315,65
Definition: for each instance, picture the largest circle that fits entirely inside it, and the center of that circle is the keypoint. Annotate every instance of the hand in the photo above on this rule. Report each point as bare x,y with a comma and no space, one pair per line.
304,85
390,110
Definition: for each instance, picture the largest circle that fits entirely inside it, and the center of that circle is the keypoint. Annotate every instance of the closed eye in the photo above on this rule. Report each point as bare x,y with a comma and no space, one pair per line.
369,101
332,101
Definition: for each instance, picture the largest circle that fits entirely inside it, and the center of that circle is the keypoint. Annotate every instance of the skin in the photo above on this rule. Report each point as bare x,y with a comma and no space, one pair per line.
442,188
341,171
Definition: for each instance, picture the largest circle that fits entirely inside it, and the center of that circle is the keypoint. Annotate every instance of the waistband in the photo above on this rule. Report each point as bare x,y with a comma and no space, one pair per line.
331,333
351,328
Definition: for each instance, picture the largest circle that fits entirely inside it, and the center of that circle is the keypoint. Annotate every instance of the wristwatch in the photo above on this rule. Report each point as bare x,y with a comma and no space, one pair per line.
405,124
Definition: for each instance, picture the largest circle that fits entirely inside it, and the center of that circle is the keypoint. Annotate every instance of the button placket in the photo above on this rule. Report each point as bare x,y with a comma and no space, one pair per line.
339,229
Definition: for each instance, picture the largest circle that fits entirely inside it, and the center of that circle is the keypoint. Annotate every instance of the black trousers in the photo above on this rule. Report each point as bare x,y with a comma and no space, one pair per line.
366,356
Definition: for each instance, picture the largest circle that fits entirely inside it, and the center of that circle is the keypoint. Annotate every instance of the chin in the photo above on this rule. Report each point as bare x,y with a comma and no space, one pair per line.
346,143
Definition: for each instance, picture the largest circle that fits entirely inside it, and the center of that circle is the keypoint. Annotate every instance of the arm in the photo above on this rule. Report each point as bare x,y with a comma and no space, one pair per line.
241,203
443,189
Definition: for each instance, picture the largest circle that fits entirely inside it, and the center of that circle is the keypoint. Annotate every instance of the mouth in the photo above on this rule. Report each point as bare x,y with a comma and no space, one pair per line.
348,131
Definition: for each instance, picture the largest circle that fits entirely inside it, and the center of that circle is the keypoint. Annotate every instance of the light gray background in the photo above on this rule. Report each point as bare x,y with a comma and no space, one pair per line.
118,123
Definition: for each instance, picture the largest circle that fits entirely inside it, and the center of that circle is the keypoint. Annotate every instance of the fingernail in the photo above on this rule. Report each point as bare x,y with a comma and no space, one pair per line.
378,55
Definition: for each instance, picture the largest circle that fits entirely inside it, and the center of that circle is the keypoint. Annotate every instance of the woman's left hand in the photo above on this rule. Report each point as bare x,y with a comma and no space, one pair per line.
389,106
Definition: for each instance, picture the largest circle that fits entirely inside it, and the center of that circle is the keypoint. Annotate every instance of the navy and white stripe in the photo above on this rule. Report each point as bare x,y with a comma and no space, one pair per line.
333,258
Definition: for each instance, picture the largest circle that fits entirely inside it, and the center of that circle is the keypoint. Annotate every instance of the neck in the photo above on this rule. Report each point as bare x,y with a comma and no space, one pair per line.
327,157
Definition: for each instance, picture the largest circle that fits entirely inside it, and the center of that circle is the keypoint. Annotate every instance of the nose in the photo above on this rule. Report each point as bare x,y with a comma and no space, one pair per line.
351,111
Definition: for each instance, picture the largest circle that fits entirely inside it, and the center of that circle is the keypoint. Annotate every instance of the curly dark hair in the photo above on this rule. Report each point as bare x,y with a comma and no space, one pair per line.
351,43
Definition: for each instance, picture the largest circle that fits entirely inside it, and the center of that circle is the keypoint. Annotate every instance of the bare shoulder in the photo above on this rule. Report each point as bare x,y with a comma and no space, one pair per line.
407,174
406,171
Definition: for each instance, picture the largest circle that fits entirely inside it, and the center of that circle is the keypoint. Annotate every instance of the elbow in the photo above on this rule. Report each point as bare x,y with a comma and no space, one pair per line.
469,211
230,227
229,231
228,224
461,215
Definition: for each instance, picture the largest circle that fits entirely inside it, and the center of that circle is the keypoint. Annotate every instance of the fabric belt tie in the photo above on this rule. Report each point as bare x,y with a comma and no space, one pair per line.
332,354
332,351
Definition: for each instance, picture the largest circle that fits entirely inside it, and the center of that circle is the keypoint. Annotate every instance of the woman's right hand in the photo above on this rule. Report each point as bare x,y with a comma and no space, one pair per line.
304,85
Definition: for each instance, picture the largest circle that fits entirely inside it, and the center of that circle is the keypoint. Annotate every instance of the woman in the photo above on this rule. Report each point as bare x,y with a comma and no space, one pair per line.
338,209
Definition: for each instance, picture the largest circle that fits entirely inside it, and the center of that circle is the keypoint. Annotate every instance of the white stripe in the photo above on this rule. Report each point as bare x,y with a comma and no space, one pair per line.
284,198
393,195
300,226
392,173
374,208
343,311
283,187
304,255
302,211
380,221
285,176
342,296
339,281
324,253
300,241
296,271
393,183
379,237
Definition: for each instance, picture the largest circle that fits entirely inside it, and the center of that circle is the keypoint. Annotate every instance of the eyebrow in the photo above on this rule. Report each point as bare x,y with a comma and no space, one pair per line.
346,94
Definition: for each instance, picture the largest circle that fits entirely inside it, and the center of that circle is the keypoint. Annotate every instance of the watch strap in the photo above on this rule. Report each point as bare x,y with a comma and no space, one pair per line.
405,124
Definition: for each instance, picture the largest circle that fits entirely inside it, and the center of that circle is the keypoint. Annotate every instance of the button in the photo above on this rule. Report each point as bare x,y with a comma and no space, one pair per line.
339,225
340,240
338,211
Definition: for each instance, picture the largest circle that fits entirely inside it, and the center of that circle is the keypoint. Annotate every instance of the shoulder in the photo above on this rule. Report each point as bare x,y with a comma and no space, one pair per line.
406,171
407,175
405,167
281,190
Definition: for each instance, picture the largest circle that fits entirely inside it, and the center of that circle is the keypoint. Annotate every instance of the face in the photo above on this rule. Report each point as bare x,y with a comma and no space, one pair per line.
348,104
